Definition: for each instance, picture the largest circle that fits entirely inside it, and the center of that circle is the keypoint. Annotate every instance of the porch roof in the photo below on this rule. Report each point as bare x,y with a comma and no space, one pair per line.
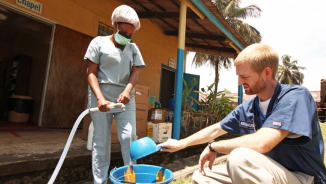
202,35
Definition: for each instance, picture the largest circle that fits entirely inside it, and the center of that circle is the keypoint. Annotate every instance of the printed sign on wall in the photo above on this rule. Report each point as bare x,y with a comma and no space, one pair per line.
31,5
171,63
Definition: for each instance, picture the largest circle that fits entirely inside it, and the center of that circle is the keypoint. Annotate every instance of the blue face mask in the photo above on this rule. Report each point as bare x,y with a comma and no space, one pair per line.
121,39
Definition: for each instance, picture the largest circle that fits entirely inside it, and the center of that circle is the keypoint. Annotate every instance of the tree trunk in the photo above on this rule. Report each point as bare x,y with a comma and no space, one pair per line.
216,76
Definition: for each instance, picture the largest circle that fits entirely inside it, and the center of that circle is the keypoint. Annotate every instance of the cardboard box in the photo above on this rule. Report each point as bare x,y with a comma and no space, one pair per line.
156,115
87,121
152,131
159,132
142,101
164,132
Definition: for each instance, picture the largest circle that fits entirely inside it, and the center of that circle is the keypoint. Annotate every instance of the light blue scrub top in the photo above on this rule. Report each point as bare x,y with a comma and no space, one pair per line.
114,67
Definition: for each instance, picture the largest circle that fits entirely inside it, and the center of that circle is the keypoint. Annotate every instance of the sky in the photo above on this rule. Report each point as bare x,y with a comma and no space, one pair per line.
293,27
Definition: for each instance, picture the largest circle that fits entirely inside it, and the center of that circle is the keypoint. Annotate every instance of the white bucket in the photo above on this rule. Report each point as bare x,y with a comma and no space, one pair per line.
90,136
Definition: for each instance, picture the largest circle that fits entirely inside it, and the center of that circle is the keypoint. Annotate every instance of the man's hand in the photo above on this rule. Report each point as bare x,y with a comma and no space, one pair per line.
103,105
124,98
205,156
171,145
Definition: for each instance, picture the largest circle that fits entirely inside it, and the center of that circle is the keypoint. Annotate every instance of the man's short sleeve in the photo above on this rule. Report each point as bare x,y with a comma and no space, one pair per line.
294,112
93,51
137,57
231,122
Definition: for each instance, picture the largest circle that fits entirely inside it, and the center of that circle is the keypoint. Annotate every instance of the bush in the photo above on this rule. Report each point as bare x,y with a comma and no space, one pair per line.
213,105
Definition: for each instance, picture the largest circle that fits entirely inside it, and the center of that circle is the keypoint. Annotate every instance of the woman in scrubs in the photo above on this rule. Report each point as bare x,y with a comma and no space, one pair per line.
113,65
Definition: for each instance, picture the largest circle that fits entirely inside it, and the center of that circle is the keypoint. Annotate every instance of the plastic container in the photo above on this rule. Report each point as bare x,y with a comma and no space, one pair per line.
169,115
141,173
158,105
90,136
152,99
142,147
171,104
20,108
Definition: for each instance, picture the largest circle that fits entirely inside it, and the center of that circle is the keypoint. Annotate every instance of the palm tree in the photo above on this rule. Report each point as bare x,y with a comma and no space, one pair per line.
232,12
235,15
289,73
214,61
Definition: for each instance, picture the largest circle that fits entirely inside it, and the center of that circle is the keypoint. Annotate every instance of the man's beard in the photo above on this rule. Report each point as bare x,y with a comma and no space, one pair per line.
256,88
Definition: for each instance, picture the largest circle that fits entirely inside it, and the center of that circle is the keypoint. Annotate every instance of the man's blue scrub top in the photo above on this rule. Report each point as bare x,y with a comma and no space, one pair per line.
291,108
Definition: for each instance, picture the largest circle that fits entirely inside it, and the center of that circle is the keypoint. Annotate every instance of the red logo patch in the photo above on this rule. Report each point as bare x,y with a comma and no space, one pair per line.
277,123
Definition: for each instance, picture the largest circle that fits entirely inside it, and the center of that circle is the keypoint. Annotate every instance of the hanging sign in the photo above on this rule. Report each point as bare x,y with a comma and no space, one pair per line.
30,4
171,63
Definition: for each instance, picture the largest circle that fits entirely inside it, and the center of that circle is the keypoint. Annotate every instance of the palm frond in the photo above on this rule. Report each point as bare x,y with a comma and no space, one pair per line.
248,11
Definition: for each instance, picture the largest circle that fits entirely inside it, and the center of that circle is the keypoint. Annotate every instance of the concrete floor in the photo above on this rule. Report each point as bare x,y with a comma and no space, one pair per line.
34,152
18,145
30,155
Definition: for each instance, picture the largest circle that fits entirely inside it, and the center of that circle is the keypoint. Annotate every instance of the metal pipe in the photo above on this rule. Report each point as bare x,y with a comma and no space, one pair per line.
240,94
179,76
182,25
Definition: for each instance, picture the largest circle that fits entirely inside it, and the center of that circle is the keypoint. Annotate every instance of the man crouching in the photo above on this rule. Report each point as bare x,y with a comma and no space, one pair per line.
281,140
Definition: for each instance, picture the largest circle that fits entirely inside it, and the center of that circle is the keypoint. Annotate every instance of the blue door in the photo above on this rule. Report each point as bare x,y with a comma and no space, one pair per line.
188,78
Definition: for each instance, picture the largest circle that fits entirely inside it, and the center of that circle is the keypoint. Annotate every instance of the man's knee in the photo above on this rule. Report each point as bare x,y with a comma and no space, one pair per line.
239,157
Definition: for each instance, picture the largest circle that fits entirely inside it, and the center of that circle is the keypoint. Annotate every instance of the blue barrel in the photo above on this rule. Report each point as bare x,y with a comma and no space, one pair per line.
142,174
171,104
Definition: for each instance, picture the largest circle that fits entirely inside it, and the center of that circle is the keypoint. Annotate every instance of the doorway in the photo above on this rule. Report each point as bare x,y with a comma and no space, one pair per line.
25,44
167,85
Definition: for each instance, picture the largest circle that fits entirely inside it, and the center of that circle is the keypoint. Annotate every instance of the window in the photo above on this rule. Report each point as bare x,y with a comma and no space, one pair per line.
104,30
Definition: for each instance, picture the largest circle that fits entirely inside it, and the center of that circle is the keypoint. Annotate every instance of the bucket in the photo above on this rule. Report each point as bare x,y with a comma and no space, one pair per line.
20,108
141,173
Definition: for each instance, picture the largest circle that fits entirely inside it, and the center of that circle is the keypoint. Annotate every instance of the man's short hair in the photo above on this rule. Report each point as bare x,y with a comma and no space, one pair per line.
260,56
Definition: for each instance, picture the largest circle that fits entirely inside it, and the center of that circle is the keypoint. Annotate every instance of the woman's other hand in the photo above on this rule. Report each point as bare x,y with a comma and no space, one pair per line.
124,98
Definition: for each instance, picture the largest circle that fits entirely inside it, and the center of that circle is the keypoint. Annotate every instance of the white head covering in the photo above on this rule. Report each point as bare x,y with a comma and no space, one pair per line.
126,14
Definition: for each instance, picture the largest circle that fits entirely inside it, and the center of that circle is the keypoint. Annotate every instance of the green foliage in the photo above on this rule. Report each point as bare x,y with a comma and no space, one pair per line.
221,106
187,100
236,14
226,90
289,73
224,106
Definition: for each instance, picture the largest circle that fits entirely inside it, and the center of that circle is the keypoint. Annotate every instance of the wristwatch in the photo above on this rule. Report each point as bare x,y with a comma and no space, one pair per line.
210,147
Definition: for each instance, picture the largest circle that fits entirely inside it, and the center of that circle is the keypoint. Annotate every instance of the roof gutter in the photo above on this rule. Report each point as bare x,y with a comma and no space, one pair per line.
203,8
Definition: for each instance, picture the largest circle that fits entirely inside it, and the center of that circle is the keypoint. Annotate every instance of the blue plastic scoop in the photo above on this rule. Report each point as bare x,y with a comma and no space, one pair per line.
142,148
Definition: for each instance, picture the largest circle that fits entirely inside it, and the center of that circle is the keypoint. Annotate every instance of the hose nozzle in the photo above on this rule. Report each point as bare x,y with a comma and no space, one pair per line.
111,106
123,106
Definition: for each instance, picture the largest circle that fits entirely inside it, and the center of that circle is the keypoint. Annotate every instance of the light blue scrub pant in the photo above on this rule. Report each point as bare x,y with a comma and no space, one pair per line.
101,151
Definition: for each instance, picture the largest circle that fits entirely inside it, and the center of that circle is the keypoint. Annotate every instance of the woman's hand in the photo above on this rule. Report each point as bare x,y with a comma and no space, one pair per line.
103,105
124,98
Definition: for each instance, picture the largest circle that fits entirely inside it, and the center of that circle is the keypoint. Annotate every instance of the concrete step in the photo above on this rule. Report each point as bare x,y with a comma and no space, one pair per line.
32,157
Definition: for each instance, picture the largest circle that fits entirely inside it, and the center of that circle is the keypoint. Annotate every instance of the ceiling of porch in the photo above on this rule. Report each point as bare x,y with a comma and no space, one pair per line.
201,34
